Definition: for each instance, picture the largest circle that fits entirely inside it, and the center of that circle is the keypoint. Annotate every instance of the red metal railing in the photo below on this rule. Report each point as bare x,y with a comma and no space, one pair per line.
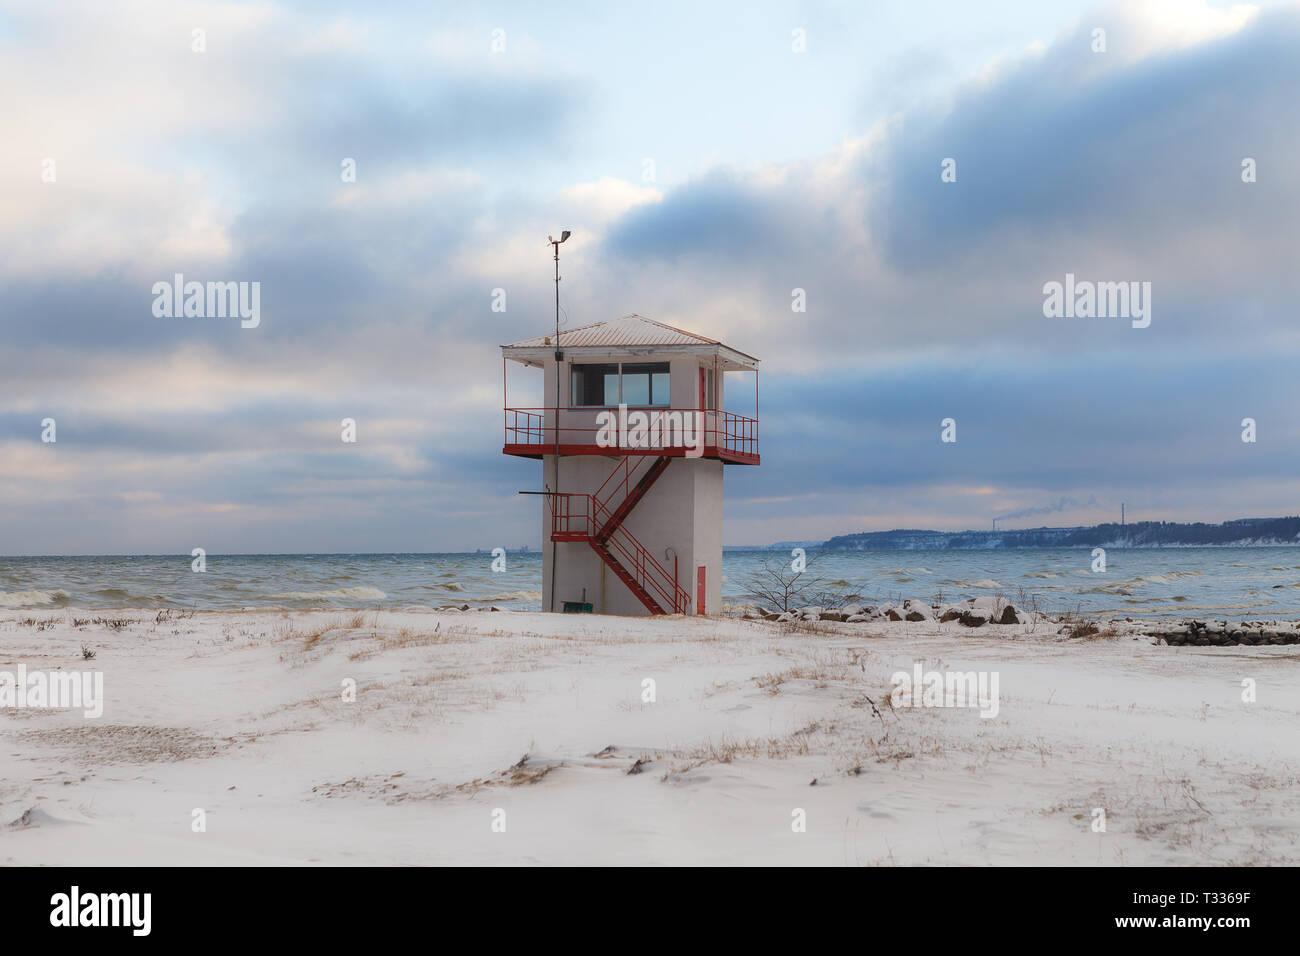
725,431
576,517
526,425
641,564
620,482
571,517
739,434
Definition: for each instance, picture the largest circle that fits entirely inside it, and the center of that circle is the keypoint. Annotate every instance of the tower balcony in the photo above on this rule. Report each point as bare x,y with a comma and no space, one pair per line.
674,432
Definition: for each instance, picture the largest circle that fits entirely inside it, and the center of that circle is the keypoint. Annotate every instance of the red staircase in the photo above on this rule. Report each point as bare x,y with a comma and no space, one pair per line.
621,477
598,520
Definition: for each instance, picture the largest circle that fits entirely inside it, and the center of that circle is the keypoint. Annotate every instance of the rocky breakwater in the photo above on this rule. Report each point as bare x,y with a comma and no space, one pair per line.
1224,633
974,612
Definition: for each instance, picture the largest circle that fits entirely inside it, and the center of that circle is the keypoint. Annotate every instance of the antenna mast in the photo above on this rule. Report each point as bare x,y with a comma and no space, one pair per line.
559,357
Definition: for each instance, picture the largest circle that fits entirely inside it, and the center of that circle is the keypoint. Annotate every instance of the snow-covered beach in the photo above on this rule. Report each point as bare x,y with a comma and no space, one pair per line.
516,738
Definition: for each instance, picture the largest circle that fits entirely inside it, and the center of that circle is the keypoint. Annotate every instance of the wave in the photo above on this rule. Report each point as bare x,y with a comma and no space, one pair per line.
982,583
33,598
1117,587
1166,577
1180,608
510,596
360,593
1126,587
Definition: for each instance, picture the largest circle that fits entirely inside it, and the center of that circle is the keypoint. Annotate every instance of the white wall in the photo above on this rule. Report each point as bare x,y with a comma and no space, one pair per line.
707,544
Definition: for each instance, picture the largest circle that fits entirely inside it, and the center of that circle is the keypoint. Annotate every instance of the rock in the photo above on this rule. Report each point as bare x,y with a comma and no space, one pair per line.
834,616
787,616
889,612
917,611
851,609
992,610
951,612
858,619
972,618
811,613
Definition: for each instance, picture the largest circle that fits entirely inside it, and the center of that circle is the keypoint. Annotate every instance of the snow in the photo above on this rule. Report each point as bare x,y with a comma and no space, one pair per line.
241,715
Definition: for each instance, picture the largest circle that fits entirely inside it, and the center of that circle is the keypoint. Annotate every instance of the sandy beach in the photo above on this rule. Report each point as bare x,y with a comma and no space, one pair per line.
519,738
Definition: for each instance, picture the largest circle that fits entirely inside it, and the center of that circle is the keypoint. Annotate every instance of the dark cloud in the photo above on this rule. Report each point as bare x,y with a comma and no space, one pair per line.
717,217
1067,148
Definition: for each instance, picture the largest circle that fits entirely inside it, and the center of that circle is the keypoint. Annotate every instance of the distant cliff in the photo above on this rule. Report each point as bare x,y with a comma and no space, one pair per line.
1243,532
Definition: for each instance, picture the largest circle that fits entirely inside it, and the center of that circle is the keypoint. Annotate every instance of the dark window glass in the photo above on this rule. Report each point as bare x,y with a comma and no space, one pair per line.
594,385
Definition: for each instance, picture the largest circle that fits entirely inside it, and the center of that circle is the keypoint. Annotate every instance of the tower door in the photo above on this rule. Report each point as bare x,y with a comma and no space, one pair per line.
700,589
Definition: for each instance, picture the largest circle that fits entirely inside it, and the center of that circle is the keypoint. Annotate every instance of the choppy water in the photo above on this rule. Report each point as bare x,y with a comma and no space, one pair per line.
1233,583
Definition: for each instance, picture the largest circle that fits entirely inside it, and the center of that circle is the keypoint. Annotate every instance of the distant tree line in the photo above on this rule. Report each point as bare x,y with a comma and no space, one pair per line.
1142,534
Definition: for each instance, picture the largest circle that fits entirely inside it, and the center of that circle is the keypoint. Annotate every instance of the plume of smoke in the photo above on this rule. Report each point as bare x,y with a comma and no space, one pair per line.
1064,504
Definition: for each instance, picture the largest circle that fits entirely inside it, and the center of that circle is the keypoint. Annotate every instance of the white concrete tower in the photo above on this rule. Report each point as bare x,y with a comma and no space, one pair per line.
633,436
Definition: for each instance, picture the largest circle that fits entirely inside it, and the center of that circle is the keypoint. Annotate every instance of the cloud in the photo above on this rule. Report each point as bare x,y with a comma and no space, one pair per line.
924,298
1116,167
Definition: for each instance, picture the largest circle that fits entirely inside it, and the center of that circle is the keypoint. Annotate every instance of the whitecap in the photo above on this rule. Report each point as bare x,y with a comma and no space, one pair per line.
360,593
510,596
33,598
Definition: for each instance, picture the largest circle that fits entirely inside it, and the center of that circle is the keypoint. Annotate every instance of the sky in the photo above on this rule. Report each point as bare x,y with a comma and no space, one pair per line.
709,159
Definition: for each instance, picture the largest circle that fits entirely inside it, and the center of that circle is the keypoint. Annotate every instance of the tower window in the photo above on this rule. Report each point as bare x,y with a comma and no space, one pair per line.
646,384
594,385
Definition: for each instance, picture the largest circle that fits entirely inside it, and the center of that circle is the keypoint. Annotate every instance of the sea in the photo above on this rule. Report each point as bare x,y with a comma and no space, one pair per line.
1256,583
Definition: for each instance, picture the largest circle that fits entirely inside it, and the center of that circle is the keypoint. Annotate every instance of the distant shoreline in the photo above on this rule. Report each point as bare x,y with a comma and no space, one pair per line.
1238,533
823,546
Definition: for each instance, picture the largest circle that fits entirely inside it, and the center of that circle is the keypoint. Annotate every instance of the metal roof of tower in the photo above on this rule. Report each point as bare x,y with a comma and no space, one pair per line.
629,331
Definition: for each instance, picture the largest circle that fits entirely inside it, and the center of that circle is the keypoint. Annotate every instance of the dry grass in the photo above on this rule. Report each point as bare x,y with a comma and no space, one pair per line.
727,750
101,744
1089,631
168,614
819,673
309,635
407,638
